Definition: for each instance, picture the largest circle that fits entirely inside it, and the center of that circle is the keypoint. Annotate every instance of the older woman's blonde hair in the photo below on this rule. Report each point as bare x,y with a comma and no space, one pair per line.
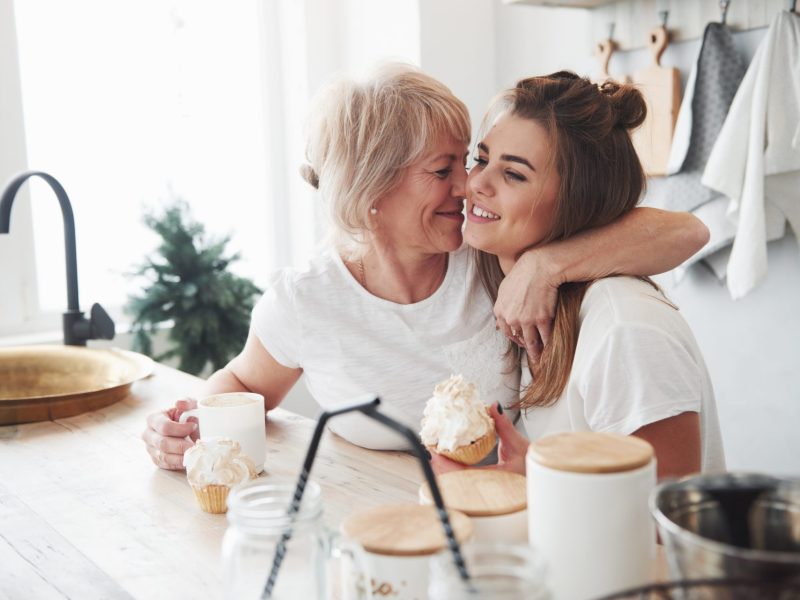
362,135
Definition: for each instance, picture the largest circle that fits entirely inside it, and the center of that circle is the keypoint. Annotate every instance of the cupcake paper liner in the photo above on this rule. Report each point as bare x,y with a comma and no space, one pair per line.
212,498
472,453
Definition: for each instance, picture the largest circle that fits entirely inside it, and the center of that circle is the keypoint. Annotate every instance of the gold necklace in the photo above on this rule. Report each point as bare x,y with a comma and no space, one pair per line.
362,276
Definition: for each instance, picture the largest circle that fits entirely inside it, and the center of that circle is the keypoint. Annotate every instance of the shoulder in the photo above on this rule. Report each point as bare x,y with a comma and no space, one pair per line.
320,272
626,301
290,285
632,320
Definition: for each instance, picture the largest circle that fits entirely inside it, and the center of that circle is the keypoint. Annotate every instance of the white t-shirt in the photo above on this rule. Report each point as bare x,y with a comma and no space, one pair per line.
636,362
349,342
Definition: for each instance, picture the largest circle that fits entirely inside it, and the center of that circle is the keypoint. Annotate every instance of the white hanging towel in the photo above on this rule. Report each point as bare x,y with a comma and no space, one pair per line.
755,161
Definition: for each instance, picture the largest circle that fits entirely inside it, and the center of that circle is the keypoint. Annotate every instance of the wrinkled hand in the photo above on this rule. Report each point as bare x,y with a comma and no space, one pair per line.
526,302
166,439
510,452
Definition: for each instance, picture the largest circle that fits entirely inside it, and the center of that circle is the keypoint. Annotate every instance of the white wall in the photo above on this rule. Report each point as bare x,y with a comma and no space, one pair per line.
457,46
535,40
17,265
751,345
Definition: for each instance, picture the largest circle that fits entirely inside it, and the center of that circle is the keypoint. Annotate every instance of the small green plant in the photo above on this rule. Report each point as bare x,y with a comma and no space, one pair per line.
188,284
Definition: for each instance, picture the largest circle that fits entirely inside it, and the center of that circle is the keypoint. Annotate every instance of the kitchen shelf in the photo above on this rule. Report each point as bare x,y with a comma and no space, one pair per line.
563,3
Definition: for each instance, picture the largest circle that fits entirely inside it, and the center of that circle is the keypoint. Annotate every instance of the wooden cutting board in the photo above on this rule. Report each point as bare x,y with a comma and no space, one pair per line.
661,87
603,53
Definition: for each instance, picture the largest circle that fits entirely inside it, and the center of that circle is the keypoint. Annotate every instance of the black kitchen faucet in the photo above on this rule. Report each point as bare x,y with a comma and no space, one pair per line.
77,328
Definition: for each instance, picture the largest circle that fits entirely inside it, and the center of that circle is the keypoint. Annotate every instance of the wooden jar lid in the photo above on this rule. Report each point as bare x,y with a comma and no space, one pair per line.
404,529
591,452
480,492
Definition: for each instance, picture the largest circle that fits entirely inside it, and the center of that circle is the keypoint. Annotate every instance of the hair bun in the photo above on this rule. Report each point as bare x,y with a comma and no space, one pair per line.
308,173
627,104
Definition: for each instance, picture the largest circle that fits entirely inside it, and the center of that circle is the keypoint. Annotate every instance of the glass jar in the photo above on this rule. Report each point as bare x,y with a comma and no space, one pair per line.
256,533
497,571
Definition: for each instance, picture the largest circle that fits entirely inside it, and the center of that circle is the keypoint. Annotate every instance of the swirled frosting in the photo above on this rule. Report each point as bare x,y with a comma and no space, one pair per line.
454,416
217,461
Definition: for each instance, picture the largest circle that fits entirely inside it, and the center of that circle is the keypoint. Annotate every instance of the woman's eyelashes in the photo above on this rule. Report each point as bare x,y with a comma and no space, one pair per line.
481,162
443,173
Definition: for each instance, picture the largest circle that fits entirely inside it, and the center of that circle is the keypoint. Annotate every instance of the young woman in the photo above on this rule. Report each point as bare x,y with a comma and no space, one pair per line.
557,160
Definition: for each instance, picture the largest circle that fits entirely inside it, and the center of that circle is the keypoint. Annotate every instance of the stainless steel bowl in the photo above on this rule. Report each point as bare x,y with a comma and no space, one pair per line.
732,525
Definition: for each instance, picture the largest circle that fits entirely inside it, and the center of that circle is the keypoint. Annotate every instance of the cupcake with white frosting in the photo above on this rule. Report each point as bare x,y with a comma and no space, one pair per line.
456,423
213,467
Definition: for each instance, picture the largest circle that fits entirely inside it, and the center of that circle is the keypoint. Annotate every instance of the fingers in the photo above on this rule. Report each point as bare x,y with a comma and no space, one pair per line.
171,462
545,328
513,445
503,327
167,445
181,406
533,337
165,438
532,342
162,424
165,452
441,464
506,432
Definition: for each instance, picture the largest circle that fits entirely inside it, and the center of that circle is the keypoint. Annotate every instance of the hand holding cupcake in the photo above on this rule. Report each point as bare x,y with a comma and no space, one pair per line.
456,424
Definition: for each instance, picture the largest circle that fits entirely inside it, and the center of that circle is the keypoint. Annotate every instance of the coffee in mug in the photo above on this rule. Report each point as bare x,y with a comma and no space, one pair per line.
398,541
237,416
495,501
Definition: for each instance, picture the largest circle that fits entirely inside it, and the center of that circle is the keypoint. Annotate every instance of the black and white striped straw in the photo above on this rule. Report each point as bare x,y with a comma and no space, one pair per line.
368,406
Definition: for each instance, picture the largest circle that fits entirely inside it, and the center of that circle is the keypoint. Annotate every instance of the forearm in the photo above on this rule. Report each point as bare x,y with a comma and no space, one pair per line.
646,241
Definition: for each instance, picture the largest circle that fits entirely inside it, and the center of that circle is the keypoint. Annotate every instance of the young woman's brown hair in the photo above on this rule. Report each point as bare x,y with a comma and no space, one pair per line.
601,178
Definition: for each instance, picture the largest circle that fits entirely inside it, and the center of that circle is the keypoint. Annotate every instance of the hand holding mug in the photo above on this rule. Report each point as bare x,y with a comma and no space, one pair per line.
166,438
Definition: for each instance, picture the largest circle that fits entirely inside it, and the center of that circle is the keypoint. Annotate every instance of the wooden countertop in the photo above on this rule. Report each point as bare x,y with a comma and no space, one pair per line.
85,514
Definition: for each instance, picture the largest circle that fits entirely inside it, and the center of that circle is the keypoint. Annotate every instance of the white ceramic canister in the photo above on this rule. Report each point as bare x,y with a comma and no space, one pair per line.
588,512
495,501
398,542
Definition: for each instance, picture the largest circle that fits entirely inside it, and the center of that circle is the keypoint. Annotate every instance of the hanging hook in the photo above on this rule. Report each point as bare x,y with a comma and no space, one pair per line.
723,6
663,15
611,26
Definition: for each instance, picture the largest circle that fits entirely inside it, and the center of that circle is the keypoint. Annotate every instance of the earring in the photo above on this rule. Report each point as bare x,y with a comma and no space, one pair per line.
373,211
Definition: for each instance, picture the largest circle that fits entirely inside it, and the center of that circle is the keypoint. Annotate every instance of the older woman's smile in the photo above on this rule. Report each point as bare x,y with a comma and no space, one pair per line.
456,213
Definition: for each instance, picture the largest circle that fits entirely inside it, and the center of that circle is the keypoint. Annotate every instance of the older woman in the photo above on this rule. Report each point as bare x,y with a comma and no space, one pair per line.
557,159
395,306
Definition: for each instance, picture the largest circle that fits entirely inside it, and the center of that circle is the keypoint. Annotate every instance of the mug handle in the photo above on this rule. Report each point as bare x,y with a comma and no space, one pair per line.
352,585
189,413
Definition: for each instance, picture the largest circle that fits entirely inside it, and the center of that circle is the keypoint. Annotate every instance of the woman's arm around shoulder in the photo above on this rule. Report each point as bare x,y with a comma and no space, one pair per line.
646,241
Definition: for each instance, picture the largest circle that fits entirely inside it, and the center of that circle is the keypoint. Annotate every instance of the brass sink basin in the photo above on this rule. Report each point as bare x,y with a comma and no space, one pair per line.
39,383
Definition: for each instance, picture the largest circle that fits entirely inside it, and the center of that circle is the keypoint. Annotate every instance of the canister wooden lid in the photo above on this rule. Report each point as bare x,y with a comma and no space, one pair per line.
480,492
591,452
405,529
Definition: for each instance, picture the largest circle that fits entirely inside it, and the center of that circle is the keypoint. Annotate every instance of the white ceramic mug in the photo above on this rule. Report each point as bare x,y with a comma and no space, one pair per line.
237,416
594,530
